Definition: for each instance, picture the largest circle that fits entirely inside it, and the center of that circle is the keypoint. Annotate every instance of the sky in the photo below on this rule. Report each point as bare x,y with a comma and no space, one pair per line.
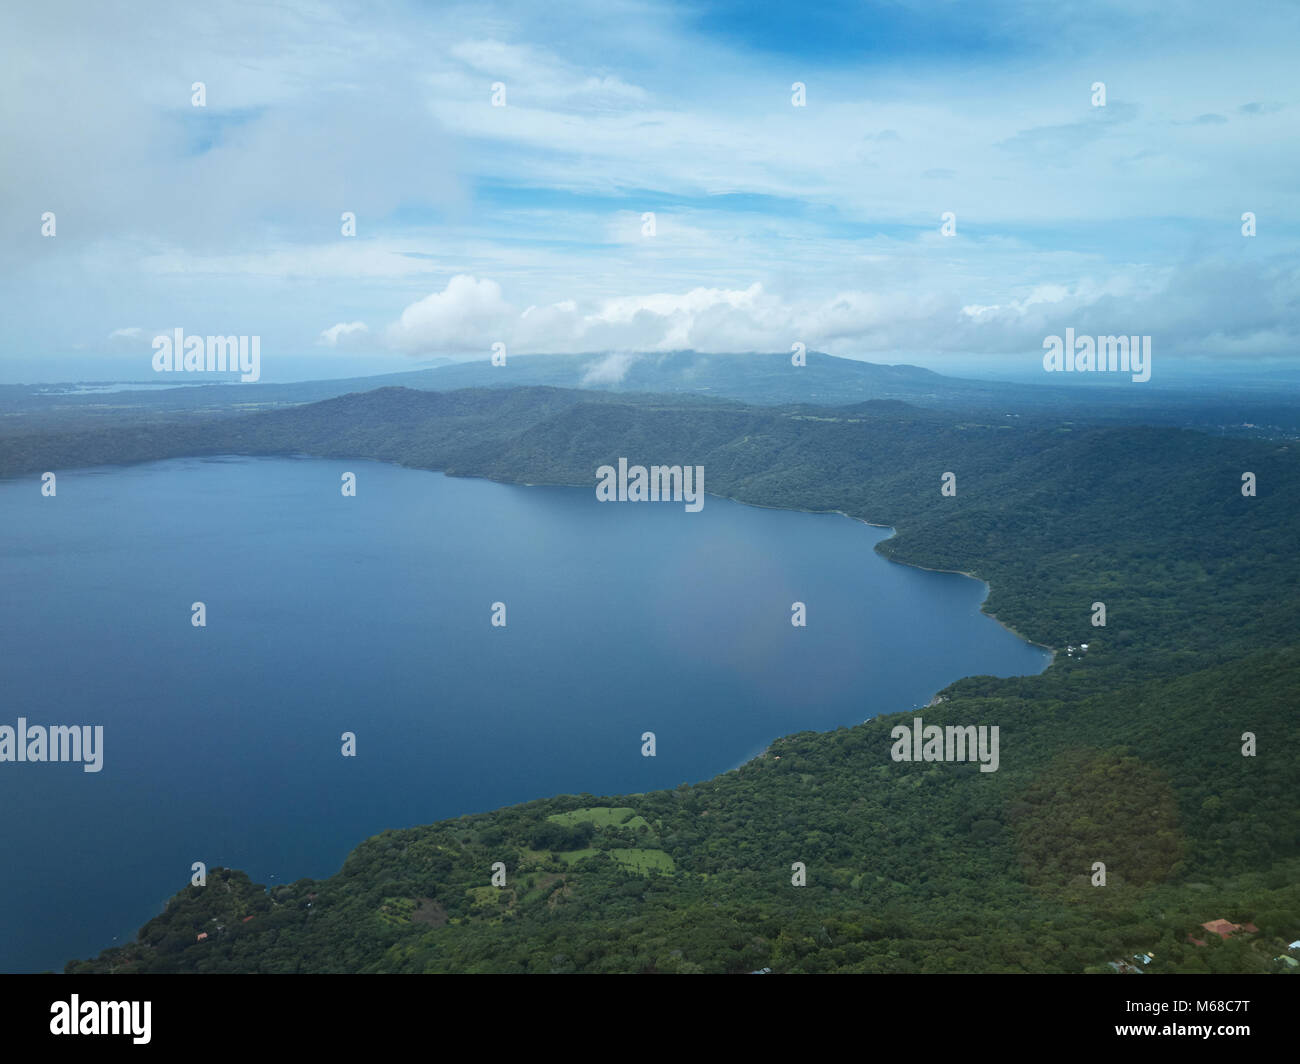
502,160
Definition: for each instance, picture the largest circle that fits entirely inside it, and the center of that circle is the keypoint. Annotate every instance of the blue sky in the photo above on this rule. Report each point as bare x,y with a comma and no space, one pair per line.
523,224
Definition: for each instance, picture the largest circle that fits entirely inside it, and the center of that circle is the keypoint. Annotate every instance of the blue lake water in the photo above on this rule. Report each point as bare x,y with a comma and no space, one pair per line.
371,614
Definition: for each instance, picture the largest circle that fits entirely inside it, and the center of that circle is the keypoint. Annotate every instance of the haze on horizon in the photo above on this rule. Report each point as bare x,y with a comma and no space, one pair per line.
524,224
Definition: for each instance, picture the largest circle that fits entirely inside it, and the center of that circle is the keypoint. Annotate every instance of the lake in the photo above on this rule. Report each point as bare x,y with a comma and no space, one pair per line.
371,615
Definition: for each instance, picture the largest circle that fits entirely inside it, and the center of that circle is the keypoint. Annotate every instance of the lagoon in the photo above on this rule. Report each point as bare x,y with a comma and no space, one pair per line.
372,615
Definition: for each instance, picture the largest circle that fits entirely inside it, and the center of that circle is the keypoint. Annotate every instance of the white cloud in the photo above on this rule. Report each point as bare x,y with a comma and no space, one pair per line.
1177,307
342,332
609,370
534,78
467,315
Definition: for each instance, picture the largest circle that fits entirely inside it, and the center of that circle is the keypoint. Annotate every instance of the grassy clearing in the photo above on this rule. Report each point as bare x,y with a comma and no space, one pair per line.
601,816
644,861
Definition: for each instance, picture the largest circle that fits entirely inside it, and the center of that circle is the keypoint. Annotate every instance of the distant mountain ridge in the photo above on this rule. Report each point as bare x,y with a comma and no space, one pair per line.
751,376
756,379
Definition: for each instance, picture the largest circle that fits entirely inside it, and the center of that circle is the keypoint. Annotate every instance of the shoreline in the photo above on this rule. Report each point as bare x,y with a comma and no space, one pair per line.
937,697
893,532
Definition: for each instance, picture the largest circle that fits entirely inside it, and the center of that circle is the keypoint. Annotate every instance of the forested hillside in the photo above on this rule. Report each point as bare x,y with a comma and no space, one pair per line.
1129,755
